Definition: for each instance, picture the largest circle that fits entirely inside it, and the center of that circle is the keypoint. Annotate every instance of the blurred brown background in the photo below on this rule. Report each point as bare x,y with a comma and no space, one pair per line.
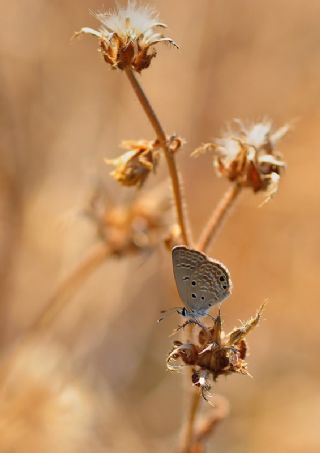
63,111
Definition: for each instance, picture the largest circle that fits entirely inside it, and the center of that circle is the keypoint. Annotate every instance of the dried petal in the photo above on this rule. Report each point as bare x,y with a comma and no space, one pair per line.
238,334
134,166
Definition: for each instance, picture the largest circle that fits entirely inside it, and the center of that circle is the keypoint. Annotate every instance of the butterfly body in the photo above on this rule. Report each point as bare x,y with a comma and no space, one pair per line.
193,314
201,281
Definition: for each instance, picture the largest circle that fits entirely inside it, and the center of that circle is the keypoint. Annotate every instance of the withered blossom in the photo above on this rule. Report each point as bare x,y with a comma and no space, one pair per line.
216,353
248,156
128,35
134,226
175,142
133,167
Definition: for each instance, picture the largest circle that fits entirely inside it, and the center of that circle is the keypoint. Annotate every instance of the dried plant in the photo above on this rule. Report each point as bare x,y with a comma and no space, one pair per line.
122,229
246,156
131,227
249,158
128,35
215,353
134,166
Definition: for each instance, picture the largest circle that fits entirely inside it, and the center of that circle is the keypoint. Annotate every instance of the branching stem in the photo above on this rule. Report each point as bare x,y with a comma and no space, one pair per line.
188,432
176,184
70,285
217,217
206,237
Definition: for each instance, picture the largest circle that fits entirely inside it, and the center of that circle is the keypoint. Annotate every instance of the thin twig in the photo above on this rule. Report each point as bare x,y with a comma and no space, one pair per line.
176,184
206,237
209,424
182,220
70,285
188,431
217,217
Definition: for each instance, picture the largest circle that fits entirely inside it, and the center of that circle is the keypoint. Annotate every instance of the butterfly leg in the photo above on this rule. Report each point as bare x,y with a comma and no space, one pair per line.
211,317
214,319
190,321
164,313
198,323
179,328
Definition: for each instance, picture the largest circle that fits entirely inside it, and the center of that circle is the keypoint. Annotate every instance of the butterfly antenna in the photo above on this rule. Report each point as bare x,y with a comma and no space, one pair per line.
164,313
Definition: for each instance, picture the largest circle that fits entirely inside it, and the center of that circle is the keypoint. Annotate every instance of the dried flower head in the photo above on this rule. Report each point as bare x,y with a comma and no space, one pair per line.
135,226
215,354
133,167
127,36
248,156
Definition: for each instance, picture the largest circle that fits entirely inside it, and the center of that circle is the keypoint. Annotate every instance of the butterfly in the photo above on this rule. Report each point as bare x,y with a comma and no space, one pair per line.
201,282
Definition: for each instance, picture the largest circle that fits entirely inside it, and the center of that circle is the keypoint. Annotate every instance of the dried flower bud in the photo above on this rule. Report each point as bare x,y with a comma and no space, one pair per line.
127,36
215,354
133,167
248,156
175,143
132,227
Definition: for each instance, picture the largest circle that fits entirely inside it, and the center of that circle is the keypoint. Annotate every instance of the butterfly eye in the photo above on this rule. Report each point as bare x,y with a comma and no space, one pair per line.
202,297
221,278
193,283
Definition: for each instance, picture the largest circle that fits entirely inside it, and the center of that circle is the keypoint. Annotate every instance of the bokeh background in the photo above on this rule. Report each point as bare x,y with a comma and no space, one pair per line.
62,112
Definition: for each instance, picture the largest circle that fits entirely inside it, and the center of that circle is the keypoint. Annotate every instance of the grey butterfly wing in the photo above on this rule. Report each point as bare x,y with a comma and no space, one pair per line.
210,284
185,261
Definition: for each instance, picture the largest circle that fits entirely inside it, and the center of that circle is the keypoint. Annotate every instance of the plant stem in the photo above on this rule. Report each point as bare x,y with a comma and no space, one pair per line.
188,433
205,239
217,217
70,285
210,423
176,184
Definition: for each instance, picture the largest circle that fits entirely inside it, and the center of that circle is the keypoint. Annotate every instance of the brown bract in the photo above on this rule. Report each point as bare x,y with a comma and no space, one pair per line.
133,167
249,156
127,36
216,353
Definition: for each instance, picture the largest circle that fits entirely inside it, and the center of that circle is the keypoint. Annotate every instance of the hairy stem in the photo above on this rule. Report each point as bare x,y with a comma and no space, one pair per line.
70,285
218,215
176,184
